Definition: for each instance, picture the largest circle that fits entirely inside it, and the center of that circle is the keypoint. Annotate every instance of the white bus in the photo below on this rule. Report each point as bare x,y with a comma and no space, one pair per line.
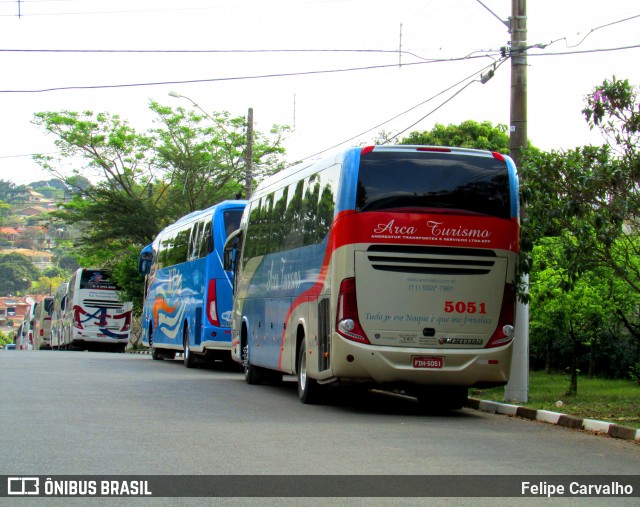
94,317
24,335
392,267
42,323
57,313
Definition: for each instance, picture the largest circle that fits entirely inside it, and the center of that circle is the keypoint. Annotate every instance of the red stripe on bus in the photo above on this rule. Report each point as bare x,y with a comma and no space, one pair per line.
350,227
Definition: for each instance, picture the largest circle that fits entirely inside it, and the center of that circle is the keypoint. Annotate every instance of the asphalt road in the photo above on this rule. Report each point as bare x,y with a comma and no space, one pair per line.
87,413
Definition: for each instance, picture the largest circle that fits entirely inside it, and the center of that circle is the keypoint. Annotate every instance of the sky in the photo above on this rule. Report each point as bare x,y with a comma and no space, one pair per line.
338,71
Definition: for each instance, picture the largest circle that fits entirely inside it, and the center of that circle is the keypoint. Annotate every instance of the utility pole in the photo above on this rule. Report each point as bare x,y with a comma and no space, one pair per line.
248,189
518,387
518,125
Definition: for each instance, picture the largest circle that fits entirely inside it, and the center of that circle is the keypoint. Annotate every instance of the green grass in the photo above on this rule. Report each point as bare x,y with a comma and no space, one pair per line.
616,401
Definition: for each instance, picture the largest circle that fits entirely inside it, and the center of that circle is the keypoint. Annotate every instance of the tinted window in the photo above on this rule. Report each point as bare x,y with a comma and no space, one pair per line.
440,182
294,216
96,279
232,220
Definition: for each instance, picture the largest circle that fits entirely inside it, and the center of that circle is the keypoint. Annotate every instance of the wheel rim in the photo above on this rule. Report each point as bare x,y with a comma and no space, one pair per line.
245,360
303,371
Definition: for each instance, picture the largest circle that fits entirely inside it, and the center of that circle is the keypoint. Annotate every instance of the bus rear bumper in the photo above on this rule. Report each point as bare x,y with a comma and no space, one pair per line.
211,345
420,366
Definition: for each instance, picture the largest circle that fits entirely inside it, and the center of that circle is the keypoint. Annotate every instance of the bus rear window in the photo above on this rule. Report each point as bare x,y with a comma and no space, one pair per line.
97,280
433,182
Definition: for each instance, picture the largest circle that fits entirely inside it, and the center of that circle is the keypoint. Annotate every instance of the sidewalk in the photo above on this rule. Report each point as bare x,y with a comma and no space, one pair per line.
567,421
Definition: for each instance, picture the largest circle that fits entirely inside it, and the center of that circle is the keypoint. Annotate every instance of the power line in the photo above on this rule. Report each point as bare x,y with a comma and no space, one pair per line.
585,51
411,109
29,154
232,51
237,78
603,26
133,11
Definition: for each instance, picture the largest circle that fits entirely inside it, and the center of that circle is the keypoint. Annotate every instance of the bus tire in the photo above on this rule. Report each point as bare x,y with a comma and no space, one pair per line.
155,354
309,391
189,361
252,374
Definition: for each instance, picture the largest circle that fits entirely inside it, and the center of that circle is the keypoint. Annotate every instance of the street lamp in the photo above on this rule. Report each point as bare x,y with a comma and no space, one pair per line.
248,154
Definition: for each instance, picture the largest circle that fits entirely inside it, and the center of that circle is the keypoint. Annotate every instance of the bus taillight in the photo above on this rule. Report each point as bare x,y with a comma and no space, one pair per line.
212,310
504,331
347,321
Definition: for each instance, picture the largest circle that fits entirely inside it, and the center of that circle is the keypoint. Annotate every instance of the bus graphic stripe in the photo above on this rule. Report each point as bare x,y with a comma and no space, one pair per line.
416,229
426,229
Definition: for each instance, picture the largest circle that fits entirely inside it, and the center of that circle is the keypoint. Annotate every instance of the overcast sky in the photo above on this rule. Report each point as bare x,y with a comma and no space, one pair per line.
445,44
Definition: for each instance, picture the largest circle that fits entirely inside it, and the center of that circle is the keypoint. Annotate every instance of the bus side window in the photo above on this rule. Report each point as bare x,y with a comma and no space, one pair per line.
181,247
231,247
165,251
195,241
207,241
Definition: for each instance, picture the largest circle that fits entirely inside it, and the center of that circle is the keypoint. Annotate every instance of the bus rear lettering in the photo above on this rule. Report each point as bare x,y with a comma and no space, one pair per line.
462,307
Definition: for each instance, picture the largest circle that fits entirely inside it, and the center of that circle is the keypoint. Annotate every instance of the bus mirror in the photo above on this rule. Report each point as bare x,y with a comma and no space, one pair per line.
144,262
229,251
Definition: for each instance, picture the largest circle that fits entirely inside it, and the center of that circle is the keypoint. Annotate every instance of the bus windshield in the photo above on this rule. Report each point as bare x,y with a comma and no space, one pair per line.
439,182
231,220
96,280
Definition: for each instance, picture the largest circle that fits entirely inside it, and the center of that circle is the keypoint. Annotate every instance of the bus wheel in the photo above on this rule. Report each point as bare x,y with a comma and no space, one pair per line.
309,391
154,351
252,374
188,358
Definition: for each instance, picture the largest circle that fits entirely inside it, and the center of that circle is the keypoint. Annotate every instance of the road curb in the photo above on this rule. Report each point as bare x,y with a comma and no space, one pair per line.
564,420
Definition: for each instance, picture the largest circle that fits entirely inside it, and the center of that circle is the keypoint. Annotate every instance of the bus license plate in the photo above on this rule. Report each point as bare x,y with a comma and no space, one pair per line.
427,362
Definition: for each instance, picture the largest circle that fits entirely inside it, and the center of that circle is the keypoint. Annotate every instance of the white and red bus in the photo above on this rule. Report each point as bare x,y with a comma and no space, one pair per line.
94,317
386,266
57,314
42,323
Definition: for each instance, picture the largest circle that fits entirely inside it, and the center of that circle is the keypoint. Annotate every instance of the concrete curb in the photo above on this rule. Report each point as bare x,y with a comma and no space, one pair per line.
546,416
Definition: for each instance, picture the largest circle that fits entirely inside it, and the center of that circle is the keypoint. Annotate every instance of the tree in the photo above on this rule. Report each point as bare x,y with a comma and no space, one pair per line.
204,155
47,284
10,192
568,314
586,200
16,273
469,134
5,210
147,181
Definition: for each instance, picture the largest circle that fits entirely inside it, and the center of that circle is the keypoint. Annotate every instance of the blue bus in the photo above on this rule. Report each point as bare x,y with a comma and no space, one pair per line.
385,266
188,295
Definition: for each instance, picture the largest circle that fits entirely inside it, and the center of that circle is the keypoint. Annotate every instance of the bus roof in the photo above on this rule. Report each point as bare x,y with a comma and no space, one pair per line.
205,212
308,167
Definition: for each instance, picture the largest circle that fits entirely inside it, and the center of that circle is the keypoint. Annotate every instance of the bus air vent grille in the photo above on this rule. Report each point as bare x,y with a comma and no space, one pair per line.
99,303
431,260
